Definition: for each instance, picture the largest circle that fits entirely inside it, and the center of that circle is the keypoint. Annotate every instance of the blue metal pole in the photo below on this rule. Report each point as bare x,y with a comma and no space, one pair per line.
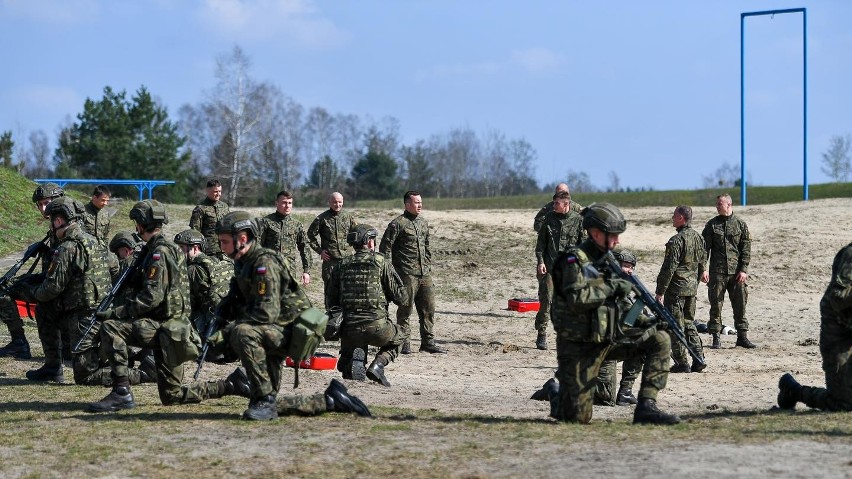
805,99
742,111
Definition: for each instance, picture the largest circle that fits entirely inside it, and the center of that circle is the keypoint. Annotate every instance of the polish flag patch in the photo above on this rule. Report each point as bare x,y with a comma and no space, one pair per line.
261,270
155,256
571,259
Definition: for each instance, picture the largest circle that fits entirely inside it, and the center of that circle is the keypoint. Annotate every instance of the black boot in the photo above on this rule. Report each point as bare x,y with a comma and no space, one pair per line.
119,398
789,392
680,368
17,348
625,397
406,348
548,390
743,342
338,399
237,384
47,373
376,371
541,340
262,409
647,413
431,347
717,341
358,368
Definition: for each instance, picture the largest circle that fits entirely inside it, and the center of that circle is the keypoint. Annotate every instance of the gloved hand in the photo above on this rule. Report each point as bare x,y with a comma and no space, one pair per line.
105,314
216,339
620,287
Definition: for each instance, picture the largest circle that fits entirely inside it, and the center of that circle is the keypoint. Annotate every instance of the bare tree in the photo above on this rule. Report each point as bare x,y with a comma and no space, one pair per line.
38,156
580,182
836,160
726,176
614,182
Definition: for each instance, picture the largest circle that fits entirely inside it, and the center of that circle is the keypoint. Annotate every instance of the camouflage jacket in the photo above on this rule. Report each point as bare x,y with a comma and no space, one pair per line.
96,222
836,302
286,235
209,281
328,232
160,286
204,218
265,290
558,232
539,217
78,275
406,242
728,244
683,264
361,285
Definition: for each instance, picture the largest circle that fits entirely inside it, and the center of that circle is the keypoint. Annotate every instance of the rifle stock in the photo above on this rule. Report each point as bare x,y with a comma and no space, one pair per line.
211,320
32,251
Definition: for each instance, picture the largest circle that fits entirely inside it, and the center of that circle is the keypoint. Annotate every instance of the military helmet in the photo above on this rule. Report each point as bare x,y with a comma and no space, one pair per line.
149,213
359,234
122,238
605,217
47,190
64,206
625,256
191,237
237,221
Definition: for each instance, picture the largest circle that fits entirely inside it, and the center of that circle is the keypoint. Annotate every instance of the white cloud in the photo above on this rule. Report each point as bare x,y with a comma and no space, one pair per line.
533,60
536,60
54,12
296,21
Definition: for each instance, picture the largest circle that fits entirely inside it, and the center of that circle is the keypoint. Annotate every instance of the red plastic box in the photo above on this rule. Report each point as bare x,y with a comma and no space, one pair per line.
319,361
26,310
523,305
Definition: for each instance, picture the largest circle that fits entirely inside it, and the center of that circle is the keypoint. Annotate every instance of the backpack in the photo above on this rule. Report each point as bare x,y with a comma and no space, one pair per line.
305,336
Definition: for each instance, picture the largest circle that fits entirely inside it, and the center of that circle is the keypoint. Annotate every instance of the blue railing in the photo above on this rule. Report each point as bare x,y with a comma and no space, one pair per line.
141,185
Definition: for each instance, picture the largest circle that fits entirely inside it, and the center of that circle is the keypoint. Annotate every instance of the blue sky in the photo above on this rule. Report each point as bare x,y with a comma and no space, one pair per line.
649,90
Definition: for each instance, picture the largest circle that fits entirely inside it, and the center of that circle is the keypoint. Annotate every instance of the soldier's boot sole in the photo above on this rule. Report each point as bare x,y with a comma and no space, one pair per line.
358,368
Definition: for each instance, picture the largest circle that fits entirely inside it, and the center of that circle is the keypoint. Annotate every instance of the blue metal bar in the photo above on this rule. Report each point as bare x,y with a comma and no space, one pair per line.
140,185
805,101
742,111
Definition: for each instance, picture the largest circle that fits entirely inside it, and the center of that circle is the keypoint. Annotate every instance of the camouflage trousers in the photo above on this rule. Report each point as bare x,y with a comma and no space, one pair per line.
326,277
53,333
607,379
301,405
580,363
835,345
118,334
388,337
9,315
683,310
738,294
420,290
262,349
545,297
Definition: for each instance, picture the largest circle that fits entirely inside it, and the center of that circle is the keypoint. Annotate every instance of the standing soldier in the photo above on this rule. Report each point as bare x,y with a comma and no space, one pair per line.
406,241
728,245
207,213
539,217
327,236
677,286
560,230
279,231
361,286
209,278
96,216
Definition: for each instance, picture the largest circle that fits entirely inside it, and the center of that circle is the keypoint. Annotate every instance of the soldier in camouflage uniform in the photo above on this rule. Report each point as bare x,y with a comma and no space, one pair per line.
406,241
728,246
588,323
206,214
539,217
361,286
280,231
265,300
677,286
561,229
209,278
96,216
156,316
327,236
835,346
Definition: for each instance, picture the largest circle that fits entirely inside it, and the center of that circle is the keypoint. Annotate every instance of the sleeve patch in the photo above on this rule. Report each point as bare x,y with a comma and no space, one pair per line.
571,259
261,270
261,288
156,256
152,272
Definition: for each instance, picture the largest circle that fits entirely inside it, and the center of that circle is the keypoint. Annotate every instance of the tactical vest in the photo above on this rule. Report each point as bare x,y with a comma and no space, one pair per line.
219,273
361,293
293,299
96,281
176,302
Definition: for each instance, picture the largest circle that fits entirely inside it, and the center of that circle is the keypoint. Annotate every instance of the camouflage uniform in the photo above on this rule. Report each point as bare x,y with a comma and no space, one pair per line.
361,286
677,282
328,232
728,245
539,217
204,218
557,233
585,315
96,223
286,235
406,241
209,281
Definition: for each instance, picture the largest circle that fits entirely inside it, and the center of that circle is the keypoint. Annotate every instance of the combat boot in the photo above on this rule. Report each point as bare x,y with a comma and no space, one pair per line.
338,399
625,397
698,367
237,384
357,368
119,398
550,388
541,340
148,368
376,371
717,341
47,373
680,368
262,409
647,412
431,348
743,342
17,348
789,392
406,348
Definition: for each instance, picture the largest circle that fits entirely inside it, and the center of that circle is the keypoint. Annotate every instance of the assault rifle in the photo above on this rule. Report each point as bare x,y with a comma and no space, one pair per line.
32,251
207,328
110,297
647,299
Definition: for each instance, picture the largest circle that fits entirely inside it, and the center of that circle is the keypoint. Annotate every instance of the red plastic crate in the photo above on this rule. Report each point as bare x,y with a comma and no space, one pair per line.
26,310
319,361
523,305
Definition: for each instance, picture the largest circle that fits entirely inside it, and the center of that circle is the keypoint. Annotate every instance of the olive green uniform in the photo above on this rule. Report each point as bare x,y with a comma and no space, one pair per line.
727,242
286,235
539,217
209,281
406,242
204,218
677,283
361,285
96,222
558,232
328,232
586,317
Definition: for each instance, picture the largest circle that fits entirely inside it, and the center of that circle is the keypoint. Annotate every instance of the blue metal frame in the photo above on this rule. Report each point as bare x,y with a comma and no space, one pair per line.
141,185
743,16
